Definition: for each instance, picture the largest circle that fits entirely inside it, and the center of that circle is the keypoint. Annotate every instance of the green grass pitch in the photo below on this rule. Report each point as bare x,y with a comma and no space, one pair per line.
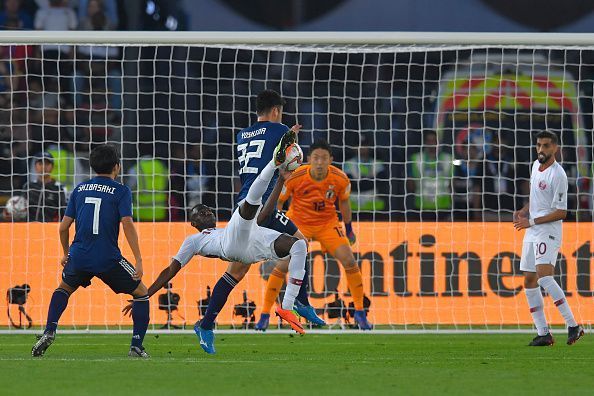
271,364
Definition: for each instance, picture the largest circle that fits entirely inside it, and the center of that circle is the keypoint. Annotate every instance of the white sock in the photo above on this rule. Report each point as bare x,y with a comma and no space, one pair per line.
260,185
298,253
536,304
550,285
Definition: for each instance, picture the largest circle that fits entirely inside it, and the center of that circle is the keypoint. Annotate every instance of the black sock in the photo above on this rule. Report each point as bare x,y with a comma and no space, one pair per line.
140,317
57,306
302,297
217,300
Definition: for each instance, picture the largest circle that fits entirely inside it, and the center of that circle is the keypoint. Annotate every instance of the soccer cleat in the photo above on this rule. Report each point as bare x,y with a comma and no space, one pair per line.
574,333
291,318
280,152
545,340
361,320
263,323
309,313
206,338
43,342
136,352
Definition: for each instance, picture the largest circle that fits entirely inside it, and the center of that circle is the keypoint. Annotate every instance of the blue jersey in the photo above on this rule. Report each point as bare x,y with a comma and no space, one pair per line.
97,206
255,146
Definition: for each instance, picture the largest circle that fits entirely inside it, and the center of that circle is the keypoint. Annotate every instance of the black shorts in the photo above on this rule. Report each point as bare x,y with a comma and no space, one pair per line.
119,278
278,221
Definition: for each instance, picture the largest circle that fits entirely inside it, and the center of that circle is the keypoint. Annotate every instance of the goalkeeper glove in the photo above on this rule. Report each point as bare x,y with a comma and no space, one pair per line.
350,234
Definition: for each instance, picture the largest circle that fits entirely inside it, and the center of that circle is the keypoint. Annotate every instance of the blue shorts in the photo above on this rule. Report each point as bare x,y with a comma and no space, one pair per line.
278,221
119,278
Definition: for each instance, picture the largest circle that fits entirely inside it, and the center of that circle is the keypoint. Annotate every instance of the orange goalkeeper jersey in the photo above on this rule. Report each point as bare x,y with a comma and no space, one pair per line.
312,201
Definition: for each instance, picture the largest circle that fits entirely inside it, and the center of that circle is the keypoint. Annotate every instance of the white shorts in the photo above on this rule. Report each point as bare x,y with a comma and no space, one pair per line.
248,243
539,252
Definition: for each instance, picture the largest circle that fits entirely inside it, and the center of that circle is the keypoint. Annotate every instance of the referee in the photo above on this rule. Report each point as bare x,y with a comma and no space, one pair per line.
47,197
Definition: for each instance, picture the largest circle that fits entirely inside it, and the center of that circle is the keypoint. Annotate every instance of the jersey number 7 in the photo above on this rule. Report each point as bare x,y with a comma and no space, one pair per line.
97,209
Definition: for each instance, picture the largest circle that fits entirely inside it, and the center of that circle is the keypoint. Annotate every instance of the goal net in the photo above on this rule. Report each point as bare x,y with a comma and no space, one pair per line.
438,140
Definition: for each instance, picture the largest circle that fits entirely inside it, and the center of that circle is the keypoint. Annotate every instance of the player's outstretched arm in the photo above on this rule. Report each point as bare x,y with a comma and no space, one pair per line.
296,128
65,237
272,199
164,277
347,216
132,238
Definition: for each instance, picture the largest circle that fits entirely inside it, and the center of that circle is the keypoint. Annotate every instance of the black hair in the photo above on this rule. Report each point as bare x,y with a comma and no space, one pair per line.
103,159
548,135
320,144
196,209
268,99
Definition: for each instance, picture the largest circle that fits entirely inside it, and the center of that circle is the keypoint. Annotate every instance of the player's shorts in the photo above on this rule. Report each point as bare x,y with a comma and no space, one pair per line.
331,235
119,278
279,221
248,243
540,252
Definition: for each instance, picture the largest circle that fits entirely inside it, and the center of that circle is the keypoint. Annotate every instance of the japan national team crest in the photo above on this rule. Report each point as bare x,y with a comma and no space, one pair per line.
330,192
542,185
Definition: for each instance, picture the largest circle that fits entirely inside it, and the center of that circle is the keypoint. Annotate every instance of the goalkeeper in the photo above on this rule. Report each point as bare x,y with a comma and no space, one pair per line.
315,188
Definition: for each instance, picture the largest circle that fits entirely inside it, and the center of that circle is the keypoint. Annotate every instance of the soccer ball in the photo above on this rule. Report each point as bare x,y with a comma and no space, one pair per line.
294,157
16,208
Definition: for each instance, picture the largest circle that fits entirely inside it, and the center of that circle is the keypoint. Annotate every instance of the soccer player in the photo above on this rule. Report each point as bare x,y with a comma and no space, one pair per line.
255,146
244,241
542,218
98,206
315,188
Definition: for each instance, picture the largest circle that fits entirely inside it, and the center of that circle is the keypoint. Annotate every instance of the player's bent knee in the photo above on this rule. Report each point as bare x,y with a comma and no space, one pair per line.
284,243
62,290
530,280
344,254
349,263
248,211
66,287
238,270
543,270
140,291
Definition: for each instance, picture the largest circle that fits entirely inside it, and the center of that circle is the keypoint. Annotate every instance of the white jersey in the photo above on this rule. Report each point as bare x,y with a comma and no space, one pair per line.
548,192
242,240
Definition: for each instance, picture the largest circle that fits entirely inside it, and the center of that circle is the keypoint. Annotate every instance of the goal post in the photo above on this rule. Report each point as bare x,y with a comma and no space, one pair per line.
435,130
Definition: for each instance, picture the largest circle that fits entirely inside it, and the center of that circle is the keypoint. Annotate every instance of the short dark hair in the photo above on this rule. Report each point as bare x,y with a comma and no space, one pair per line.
196,210
268,99
103,158
320,144
548,135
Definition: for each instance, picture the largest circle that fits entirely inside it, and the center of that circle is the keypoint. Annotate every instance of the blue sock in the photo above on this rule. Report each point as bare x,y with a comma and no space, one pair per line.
57,306
140,317
218,299
302,297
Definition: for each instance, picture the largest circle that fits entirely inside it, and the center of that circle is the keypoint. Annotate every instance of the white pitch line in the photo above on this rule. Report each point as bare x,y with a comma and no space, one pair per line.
308,331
